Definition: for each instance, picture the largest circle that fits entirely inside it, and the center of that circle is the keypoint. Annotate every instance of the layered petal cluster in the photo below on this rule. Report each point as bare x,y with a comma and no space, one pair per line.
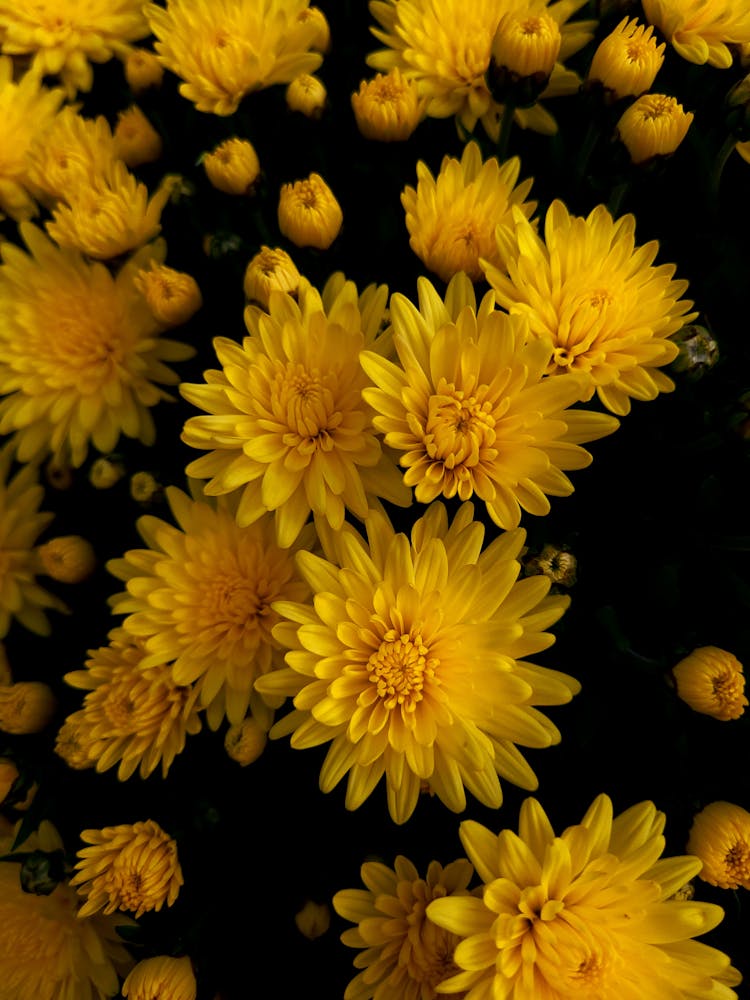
407,662
200,599
711,680
720,837
163,977
404,956
224,51
288,426
701,31
81,358
588,289
470,409
584,914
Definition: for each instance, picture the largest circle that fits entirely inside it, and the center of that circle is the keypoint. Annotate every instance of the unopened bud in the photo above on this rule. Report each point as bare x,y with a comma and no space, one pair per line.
26,707
313,920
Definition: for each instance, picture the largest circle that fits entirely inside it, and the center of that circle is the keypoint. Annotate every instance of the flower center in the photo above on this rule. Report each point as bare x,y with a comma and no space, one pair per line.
534,904
304,401
232,600
119,710
459,427
660,106
638,51
737,861
399,668
728,689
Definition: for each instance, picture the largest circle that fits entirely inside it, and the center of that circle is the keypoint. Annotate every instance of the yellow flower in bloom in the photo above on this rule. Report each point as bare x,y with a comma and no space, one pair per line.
654,125
26,707
200,598
307,94
46,952
21,523
406,662
584,914
309,214
452,220
387,108
589,290
527,41
407,956
233,167
720,837
288,426
711,681
172,296
133,716
628,59
162,977
79,352
142,70
68,558
270,270
246,741
701,30
469,407
27,111
63,35
225,51
128,867
136,139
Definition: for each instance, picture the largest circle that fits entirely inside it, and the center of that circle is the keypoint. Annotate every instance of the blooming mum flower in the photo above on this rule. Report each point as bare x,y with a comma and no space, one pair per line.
80,352
64,36
452,220
628,59
589,290
233,167
387,108
469,409
710,680
701,30
720,837
224,51
288,425
163,977
309,214
654,125
272,269
407,956
199,598
587,913
128,867
406,661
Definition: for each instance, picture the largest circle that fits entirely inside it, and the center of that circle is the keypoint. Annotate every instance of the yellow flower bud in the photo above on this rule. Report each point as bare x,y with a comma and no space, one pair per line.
268,271
8,777
628,59
142,70
233,167
309,214
172,296
163,977
26,707
136,139
72,744
322,39
307,94
711,681
720,837
387,108
313,919
527,43
654,125
68,558
245,742
145,488
105,472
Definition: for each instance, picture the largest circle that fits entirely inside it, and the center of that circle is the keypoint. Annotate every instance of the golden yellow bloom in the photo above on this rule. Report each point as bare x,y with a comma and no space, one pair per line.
452,220
210,618
387,108
720,837
588,913
225,51
134,716
46,952
314,16
307,94
654,125
407,661
701,30
172,296
105,472
407,956
64,36
80,352
527,42
591,292
246,741
710,680
128,867
628,59
309,214
136,139
67,558
470,410
162,977
270,270
288,427
27,111
233,167
142,70
26,707
313,920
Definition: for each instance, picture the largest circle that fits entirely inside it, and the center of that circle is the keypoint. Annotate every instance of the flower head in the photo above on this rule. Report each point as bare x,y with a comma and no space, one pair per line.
720,837
654,125
233,167
584,914
470,410
309,214
270,270
128,867
224,51
628,59
172,296
136,140
163,977
452,220
710,680
288,425
406,661
701,30
588,289
407,956
307,94
387,108
527,42
80,355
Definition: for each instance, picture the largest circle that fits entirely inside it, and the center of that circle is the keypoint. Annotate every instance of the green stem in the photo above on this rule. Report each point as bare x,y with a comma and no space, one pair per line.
616,198
722,156
505,126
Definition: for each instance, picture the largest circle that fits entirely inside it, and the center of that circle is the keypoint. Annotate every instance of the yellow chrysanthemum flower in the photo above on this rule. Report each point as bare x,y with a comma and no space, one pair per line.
711,680
307,95
309,214
446,47
134,716
405,956
225,51
627,60
470,410
67,558
387,108
585,914
406,662
79,352
701,30
199,598
172,296
270,270
452,220
142,70
131,867
588,289
720,837
233,167
654,125
163,977
288,425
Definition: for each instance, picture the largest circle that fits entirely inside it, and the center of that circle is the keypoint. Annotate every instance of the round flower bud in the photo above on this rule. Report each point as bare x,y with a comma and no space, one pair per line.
309,214
145,488
163,977
699,351
172,296
524,52
711,681
322,38
142,70
245,742
136,139
654,125
268,271
26,707
105,472
233,167
307,94
387,108
628,59
313,920
68,558
720,837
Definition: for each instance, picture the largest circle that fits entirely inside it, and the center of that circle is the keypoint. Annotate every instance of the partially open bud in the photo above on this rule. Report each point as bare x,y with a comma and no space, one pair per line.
627,60
652,126
313,920
268,271
71,746
711,681
136,139
307,94
233,167
387,108
309,214
524,52
142,70
68,558
26,707
245,742
172,296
